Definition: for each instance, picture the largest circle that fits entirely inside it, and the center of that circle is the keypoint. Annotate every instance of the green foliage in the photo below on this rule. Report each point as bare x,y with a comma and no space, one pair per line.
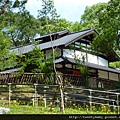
117,85
115,64
81,65
105,18
84,70
62,24
19,24
75,27
6,5
7,59
90,18
50,20
21,27
80,62
48,16
21,108
35,61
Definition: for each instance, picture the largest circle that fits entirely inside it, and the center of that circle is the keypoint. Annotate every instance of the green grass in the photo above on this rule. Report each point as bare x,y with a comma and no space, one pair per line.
21,107
27,109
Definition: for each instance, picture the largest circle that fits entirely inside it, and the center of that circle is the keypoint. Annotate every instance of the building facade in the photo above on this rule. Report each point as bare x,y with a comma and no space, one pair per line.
76,45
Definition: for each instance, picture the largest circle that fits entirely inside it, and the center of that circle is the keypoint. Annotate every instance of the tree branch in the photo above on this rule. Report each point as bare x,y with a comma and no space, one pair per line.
4,7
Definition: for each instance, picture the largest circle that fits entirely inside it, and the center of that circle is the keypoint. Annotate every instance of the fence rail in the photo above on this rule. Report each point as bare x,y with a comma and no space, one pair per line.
72,85
106,98
41,78
75,94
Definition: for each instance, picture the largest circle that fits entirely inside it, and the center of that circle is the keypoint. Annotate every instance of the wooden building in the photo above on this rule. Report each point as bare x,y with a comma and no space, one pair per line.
98,64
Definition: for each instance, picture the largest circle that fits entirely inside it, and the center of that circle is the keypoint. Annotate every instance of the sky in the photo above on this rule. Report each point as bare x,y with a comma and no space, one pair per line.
68,9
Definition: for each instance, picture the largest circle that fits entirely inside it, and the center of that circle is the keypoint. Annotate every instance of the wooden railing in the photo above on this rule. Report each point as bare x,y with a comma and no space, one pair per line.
26,78
93,97
41,78
50,93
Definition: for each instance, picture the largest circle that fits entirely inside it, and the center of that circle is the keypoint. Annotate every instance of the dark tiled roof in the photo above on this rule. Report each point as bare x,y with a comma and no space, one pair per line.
23,50
91,65
10,70
66,39
54,33
60,60
58,42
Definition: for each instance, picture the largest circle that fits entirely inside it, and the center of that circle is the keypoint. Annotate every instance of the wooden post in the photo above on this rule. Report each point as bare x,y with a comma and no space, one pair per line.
33,100
90,100
61,88
62,100
45,101
114,106
9,93
35,93
118,102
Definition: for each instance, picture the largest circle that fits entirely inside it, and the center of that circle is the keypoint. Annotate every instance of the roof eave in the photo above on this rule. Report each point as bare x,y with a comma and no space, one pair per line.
85,34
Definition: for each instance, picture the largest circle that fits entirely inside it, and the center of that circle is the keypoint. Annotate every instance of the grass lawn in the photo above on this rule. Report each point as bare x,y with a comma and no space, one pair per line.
27,109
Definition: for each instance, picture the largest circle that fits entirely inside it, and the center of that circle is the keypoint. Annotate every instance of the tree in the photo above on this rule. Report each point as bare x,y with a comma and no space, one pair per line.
90,18
81,59
75,27
6,5
7,59
22,27
3,6
105,18
109,21
36,62
49,13
62,24
115,64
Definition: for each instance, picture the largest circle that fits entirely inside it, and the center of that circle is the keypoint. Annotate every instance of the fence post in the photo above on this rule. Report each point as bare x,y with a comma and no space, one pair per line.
9,93
45,101
33,101
114,106
90,99
118,102
35,93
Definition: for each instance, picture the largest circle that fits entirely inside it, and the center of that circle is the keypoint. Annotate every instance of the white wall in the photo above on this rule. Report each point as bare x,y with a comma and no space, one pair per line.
102,61
90,58
68,53
71,53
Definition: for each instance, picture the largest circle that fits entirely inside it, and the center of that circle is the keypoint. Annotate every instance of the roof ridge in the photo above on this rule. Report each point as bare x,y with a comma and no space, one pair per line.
83,30
52,33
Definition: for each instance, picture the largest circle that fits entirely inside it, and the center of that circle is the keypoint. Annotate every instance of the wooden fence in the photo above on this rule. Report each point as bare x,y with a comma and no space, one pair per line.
29,93
49,94
40,78
46,89
94,97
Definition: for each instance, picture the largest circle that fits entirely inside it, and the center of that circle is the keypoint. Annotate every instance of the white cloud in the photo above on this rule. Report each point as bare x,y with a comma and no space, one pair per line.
33,6
69,9
73,9
79,2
